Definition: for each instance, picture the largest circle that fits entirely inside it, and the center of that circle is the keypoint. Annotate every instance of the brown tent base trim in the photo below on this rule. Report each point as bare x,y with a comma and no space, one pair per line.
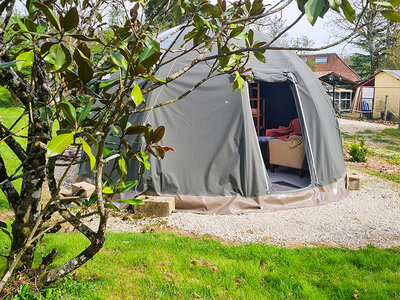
237,204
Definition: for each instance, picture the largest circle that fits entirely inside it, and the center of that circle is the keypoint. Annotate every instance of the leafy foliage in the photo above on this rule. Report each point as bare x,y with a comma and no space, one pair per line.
358,152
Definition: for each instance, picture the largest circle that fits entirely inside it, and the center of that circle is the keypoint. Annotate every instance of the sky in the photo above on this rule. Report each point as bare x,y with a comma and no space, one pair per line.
321,33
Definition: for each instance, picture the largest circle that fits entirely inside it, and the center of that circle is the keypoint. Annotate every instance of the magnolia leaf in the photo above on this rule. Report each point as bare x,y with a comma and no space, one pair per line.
25,59
136,95
118,59
391,15
84,113
59,56
88,151
59,143
71,19
259,56
49,13
122,167
212,10
136,129
68,111
131,201
158,134
348,11
108,190
91,139
128,186
313,8
111,206
146,53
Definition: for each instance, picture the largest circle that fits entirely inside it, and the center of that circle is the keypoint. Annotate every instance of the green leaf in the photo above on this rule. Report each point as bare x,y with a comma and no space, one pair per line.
129,185
107,152
348,11
236,31
158,134
81,37
88,151
212,10
148,134
250,36
49,13
301,4
91,139
146,53
136,129
21,25
71,19
92,199
131,201
136,95
84,113
85,71
312,9
391,15
42,27
395,2
111,206
118,59
108,82
122,167
108,190
259,56
59,58
7,233
59,143
6,65
68,111
25,59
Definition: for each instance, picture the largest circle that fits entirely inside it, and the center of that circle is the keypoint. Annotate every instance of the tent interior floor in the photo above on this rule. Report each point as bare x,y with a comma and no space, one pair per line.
287,179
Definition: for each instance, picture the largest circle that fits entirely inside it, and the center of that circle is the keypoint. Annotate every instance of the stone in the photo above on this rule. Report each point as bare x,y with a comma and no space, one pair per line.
88,188
156,206
65,192
353,182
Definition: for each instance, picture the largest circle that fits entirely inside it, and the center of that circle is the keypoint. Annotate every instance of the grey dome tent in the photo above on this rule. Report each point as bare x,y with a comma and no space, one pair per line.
218,165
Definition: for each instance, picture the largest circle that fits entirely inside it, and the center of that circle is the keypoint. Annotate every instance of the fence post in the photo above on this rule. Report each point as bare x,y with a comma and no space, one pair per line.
386,108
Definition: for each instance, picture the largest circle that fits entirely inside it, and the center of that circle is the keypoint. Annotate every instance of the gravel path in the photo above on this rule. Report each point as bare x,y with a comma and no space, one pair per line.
354,126
368,216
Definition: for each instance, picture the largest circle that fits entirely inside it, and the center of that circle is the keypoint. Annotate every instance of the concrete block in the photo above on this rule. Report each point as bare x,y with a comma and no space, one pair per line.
156,206
88,188
354,182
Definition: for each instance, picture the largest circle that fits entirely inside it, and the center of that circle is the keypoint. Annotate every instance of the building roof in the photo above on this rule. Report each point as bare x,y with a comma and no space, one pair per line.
324,76
393,73
333,64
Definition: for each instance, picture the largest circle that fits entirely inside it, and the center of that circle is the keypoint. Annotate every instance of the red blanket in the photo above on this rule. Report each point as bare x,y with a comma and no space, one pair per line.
284,132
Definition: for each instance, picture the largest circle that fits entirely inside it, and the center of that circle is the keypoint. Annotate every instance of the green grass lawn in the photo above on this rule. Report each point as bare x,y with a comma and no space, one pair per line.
165,266
9,115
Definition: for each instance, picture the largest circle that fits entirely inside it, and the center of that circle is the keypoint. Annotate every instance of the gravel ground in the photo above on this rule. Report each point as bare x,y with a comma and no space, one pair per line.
368,216
354,126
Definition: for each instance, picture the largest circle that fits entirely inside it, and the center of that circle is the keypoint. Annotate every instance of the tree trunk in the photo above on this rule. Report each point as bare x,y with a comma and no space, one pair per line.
27,209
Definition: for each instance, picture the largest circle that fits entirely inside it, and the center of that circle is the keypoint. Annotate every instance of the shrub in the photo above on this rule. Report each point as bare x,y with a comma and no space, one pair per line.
358,152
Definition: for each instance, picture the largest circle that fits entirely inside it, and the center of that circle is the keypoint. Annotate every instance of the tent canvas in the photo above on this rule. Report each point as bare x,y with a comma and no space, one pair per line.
217,166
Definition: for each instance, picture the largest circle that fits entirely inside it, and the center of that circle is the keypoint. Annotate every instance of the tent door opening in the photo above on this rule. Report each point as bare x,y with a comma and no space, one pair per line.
280,135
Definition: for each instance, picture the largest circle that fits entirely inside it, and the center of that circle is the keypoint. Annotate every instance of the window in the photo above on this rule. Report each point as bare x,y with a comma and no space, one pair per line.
321,60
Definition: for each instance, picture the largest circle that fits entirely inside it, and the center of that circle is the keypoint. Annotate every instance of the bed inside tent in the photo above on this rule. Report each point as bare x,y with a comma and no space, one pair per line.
280,134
